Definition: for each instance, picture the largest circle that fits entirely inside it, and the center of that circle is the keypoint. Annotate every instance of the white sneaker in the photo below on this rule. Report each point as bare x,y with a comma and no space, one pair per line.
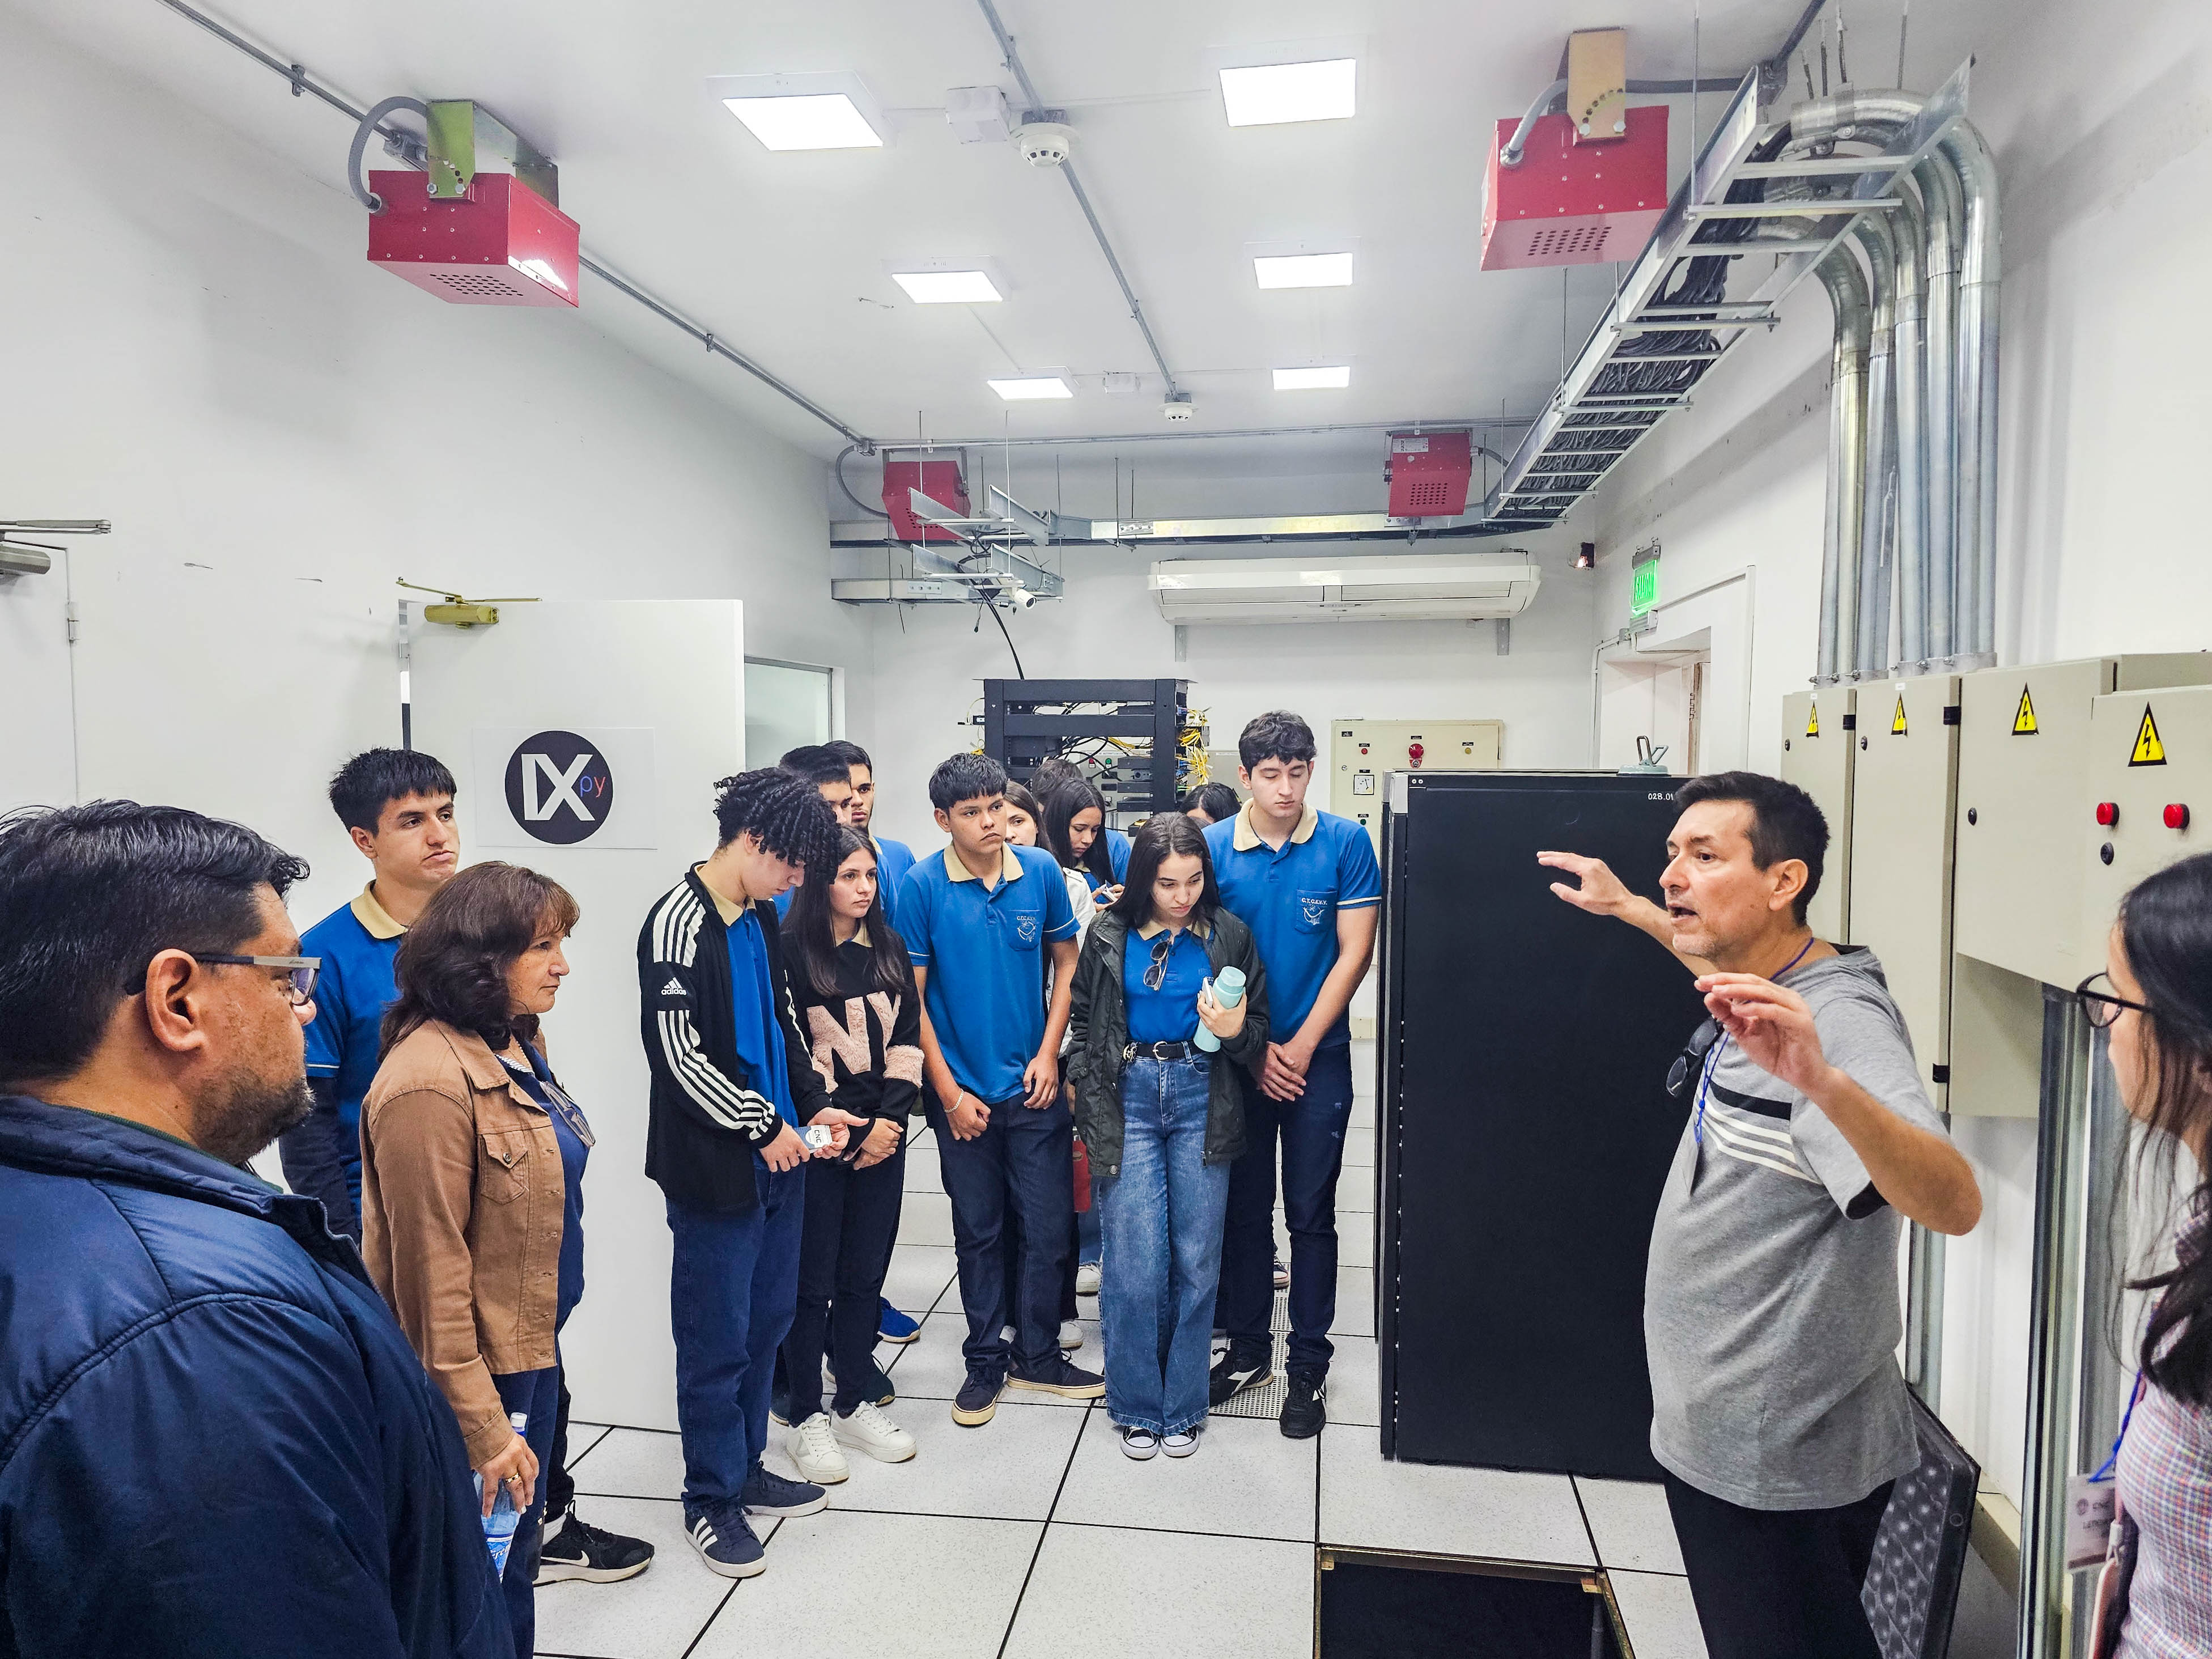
813,1446
1086,1278
869,1431
1006,1333
1179,1445
1071,1333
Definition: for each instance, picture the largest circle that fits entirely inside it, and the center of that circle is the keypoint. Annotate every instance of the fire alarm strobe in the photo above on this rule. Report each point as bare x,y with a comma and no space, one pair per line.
501,244
1428,473
1575,205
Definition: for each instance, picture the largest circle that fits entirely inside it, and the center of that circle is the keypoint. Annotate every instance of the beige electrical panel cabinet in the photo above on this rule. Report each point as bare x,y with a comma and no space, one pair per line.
1902,791
1361,753
1819,750
2151,773
2025,757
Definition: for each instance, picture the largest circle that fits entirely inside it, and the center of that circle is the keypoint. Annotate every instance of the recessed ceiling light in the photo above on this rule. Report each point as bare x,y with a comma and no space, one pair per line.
947,287
1304,271
1313,380
1266,93
1034,386
820,121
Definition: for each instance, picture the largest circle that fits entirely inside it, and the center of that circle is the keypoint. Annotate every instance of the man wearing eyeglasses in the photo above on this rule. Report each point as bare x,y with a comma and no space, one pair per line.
1769,1306
217,1439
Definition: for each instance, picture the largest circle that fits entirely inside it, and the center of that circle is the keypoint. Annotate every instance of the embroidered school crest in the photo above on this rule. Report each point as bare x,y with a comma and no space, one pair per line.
1025,929
1315,907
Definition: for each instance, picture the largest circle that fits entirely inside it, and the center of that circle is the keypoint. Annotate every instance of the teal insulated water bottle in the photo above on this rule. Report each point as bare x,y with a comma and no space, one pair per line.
1228,991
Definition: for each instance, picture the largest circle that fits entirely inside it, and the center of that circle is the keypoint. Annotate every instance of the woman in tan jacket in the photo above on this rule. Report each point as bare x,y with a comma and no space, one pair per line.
472,1161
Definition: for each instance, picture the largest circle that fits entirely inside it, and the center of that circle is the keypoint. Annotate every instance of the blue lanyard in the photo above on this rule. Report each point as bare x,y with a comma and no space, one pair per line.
1713,1060
2105,1470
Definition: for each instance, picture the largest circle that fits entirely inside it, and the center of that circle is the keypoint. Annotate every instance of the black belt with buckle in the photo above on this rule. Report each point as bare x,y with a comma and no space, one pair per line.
1159,1051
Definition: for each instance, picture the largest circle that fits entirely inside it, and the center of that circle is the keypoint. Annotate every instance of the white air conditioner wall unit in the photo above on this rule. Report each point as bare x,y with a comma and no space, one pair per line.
1405,587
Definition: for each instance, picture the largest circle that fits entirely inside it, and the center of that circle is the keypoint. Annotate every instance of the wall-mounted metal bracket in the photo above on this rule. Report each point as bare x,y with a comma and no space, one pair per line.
459,128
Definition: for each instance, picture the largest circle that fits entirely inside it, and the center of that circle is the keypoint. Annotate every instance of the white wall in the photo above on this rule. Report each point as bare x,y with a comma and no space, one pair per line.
930,663
195,350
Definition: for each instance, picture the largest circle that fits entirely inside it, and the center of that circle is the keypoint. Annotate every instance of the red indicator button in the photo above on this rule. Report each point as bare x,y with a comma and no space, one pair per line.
1414,751
2108,812
2177,817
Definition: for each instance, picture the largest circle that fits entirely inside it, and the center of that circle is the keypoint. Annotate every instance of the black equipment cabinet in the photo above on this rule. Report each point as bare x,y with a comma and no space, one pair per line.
1025,722
1527,1130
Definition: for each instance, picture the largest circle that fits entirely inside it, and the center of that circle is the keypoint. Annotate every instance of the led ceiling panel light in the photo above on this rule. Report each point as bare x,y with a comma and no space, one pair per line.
1266,94
802,112
1304,271
947,287
1029,386
1314,379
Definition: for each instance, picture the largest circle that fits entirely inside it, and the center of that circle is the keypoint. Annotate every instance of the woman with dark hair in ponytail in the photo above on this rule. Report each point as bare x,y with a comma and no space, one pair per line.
471,1180
2155,1001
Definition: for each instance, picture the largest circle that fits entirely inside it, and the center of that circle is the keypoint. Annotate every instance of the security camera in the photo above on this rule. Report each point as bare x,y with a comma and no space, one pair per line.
1023,598
1044,144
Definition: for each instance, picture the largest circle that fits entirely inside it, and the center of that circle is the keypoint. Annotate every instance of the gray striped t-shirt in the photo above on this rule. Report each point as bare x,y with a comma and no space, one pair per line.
1769,1306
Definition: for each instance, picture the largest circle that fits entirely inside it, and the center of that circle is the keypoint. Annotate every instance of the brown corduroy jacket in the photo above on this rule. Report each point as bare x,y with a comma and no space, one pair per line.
461,1206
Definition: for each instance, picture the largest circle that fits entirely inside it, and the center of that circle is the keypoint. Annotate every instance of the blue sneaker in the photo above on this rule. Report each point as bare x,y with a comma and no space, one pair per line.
767,1492
893,1326
725,1540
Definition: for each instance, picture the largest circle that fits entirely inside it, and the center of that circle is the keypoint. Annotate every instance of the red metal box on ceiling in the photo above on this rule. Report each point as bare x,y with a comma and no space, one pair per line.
939,480
1428,473
500,244
1574,204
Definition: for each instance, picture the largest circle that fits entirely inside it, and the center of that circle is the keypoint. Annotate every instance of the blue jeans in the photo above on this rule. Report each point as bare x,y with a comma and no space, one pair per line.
1020,1170
1311,1131
1162,1224
731,1296
537,1394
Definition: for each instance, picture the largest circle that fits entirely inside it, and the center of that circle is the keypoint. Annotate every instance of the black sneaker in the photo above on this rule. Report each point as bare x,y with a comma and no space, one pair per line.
767,1492
1235,1372
877,1390
978,1401
1305,1407
725,1540
578,1550
778,1404
1058,1375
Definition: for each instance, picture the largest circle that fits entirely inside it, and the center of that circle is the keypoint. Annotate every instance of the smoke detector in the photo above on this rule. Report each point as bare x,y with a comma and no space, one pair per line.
1044,144
1177,406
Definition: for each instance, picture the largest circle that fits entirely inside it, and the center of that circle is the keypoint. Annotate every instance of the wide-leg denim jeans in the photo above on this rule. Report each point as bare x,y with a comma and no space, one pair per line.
1161,1226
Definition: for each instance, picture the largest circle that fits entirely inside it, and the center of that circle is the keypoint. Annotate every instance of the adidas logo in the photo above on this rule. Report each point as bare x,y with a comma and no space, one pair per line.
674,988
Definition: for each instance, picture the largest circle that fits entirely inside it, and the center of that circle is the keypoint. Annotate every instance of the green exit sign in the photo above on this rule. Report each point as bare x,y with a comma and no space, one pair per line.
1643,586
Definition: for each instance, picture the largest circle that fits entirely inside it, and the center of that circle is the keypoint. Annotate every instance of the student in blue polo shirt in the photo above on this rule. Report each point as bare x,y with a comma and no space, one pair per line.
980,921
398,806
1306,884
893,858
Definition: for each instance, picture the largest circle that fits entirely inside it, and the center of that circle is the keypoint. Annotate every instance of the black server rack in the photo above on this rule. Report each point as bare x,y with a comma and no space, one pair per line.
1126,735
1527,1128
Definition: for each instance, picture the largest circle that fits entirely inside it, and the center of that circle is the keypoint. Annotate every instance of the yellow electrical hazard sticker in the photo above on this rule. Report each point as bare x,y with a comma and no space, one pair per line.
2023,720
1897,720
1812,725
2148,751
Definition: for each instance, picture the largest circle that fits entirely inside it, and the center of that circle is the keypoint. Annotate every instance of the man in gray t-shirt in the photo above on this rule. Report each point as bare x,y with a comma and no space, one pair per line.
1770,1307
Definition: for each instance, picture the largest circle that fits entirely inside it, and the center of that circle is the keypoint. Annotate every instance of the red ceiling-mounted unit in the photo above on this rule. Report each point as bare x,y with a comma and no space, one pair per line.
939,479
1429,473
500,244
1571,203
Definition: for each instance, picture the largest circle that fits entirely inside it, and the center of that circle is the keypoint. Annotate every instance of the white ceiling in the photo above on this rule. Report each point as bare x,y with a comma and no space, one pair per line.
784,255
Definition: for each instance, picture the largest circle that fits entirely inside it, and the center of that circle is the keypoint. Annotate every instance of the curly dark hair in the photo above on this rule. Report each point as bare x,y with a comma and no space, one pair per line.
785,814
452,963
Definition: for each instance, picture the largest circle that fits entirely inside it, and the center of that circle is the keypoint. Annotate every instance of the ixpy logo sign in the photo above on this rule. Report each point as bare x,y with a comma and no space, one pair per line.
560,788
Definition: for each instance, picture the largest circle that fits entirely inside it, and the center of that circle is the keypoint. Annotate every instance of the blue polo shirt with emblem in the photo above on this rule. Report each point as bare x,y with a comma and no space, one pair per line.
1117,852
1288,896
358,944
985,949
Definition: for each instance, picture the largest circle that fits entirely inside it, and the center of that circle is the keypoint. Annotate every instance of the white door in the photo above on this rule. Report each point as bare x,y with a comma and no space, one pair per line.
587,738
38,734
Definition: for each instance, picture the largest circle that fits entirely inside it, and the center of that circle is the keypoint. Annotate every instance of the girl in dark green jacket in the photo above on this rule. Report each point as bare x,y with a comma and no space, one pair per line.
1162,1121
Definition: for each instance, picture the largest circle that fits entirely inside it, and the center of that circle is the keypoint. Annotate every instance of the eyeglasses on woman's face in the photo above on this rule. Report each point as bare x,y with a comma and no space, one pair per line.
2101,1001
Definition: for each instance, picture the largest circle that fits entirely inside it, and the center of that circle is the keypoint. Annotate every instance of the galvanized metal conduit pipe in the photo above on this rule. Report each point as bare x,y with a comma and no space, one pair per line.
1839,554
1941,199
1976,515
1880,493
1908,232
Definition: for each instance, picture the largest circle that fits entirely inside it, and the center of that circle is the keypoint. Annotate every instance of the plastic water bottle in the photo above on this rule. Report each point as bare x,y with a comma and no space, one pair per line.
499,1526
1228,991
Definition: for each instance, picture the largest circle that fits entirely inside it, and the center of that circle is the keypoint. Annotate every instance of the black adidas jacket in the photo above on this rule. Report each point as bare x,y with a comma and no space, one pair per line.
707,1117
